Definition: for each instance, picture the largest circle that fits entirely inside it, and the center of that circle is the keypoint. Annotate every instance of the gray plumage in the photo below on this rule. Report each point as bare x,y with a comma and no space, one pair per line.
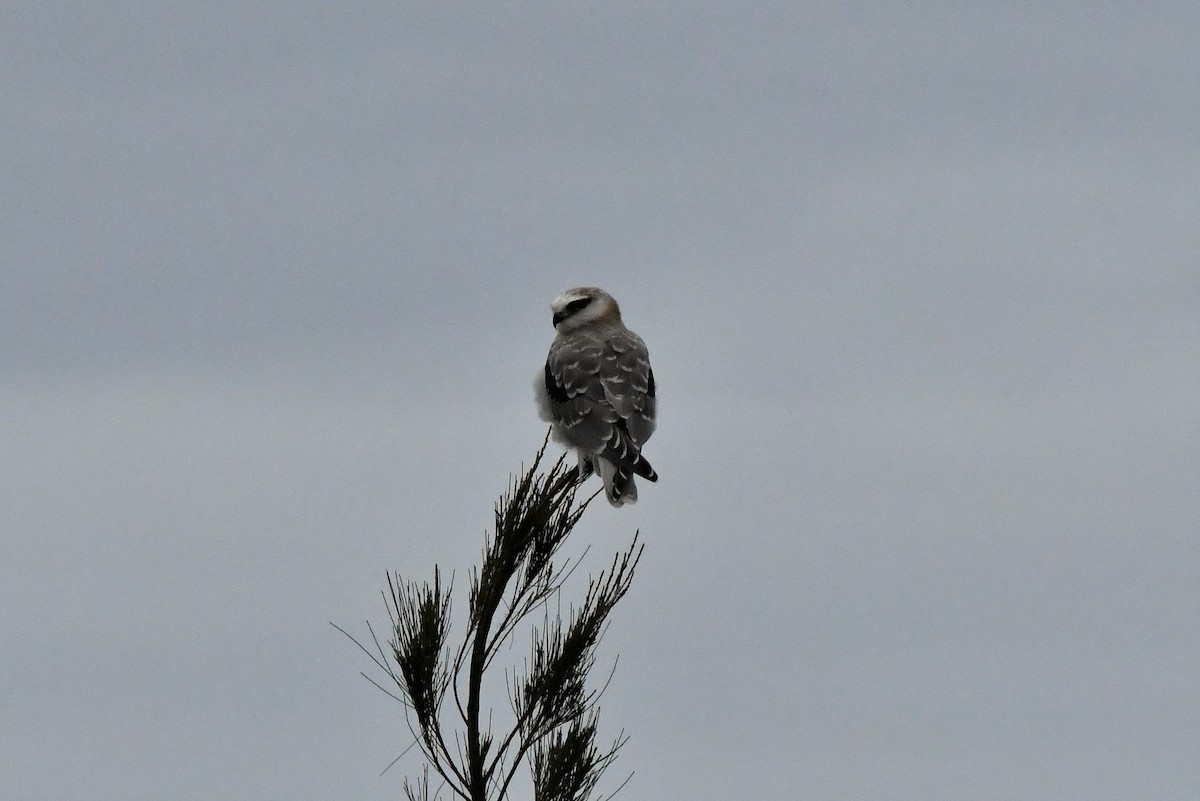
597,391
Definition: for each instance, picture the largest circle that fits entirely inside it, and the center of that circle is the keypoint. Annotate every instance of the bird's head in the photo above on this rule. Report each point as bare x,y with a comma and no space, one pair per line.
582,306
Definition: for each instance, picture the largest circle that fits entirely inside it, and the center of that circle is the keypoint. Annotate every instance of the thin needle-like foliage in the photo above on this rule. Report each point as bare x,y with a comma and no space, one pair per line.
554,709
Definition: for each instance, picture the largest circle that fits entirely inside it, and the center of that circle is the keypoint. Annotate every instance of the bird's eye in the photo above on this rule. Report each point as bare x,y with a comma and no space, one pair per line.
577,304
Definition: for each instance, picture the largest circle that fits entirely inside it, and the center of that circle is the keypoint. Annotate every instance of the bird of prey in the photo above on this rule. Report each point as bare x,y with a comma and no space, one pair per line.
597,391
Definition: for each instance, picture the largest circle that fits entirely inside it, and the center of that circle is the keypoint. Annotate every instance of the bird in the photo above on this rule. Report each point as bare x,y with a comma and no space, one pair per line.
597,391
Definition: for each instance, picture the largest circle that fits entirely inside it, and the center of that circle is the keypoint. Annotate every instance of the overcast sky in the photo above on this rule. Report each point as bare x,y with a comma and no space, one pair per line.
921,287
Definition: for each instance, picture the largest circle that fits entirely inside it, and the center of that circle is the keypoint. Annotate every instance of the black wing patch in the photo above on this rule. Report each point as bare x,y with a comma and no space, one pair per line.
555,390
649,381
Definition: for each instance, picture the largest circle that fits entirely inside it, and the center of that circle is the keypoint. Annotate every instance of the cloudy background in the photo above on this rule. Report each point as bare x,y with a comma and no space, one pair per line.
921,287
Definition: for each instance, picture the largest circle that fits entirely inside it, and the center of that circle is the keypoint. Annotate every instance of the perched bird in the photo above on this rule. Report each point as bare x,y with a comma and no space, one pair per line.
597,391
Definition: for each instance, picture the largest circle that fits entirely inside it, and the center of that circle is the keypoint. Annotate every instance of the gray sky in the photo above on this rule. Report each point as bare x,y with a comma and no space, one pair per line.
921,289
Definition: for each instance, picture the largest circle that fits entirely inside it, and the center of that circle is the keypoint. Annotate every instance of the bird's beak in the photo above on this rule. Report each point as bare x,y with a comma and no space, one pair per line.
559,317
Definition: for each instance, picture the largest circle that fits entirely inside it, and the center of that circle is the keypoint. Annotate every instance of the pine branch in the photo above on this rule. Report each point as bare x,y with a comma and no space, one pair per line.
554,713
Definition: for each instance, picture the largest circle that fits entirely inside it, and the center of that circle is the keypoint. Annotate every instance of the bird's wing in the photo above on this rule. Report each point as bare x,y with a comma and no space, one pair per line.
628,384
576,395
577,373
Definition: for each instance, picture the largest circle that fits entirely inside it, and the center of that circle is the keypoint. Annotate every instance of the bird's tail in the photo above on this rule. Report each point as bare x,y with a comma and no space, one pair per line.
619,486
